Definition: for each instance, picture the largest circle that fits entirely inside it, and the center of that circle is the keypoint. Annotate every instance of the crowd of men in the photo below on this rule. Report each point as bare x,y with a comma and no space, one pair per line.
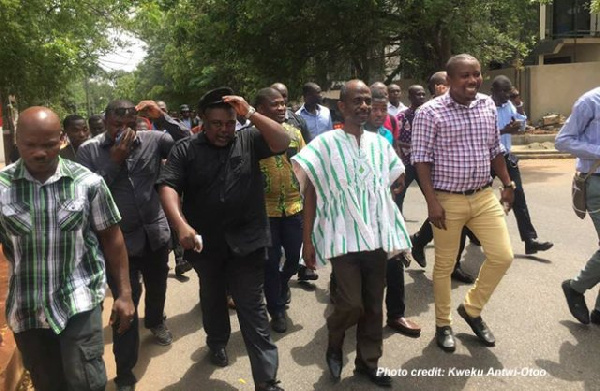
250,196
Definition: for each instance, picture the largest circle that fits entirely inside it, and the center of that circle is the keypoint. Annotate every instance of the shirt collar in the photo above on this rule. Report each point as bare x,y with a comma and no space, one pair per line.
62,170
448,101
317,110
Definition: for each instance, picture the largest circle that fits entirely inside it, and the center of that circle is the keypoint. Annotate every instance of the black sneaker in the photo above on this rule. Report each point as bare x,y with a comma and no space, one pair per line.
182,267
595,317
162,334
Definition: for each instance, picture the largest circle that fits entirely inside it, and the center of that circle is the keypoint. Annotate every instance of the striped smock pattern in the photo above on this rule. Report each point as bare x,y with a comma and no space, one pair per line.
355,210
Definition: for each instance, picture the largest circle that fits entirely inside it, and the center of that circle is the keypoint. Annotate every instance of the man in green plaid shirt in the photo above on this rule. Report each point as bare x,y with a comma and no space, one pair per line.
58,224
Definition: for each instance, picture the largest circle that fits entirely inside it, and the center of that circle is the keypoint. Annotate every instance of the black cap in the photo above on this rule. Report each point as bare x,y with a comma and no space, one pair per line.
184,108
213,97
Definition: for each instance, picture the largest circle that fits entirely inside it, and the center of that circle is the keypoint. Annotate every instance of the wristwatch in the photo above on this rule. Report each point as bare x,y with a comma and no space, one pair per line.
250,113
511,185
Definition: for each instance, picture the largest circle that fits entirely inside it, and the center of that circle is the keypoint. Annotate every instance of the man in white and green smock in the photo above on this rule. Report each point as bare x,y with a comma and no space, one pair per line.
351,220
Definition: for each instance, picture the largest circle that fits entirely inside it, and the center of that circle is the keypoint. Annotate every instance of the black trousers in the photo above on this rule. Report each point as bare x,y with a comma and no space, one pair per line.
244,275
519,207
394,295
286,232
410,175
71,360
153,268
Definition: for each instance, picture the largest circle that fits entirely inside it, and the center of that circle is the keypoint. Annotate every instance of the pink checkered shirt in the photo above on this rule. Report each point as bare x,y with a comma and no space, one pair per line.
460,141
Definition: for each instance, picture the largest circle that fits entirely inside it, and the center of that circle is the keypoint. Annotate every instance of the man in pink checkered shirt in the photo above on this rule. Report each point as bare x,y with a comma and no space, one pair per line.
456,143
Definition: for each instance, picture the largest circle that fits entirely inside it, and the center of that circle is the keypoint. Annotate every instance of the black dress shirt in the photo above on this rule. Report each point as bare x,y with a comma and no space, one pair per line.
132,185
222,191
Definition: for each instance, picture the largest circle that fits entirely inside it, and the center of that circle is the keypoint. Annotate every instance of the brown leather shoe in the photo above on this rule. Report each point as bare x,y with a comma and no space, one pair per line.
405,326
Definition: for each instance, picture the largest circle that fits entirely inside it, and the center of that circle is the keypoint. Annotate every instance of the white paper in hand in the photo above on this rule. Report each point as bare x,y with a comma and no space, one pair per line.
199,244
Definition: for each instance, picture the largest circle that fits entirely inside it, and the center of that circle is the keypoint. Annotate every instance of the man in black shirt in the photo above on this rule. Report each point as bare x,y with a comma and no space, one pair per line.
129,162
217,175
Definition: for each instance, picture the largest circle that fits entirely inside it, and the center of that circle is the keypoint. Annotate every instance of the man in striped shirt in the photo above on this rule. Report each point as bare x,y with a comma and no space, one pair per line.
58,223
455,144
351,220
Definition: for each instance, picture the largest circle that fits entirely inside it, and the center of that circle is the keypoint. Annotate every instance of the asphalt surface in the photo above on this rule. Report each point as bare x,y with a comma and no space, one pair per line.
539,345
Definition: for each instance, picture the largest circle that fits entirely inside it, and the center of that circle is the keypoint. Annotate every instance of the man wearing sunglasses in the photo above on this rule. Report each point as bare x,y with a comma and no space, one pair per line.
130,163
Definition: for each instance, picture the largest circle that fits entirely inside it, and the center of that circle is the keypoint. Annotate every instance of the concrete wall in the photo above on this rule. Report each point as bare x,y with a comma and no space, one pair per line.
549,88
554,88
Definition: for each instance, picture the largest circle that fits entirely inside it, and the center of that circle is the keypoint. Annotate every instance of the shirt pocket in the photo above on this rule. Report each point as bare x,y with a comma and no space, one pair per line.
17,218
71,214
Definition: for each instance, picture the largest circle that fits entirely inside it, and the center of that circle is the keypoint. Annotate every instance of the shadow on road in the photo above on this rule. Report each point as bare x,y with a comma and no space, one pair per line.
577,362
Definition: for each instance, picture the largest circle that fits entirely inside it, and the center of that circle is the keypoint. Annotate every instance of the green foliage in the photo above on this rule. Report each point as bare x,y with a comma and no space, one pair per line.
199,44
47,44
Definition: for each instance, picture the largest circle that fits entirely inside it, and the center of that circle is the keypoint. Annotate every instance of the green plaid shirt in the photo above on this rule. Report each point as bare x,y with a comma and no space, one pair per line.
47,231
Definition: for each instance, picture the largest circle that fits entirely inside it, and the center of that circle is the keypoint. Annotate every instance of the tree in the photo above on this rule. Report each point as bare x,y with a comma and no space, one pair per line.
197,44
46,44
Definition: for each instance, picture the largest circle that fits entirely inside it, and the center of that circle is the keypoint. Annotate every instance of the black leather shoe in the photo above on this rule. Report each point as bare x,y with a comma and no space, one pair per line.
334,362
306,274
532,246
459,275
219,357
269,386
444,338
279,323
576,303
371,373
595,317
418,251
478,326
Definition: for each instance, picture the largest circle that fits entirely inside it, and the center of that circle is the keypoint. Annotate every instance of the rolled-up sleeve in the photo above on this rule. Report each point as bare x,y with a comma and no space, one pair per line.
423,136
571,137
174,170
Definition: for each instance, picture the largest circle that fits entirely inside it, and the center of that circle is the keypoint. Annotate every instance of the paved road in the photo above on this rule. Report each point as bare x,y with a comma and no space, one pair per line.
528,314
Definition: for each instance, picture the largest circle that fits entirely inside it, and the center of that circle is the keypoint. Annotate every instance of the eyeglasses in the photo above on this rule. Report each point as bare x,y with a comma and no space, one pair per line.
124,111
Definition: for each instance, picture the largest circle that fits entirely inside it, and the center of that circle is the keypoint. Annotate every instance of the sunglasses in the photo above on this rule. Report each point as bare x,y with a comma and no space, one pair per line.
124,111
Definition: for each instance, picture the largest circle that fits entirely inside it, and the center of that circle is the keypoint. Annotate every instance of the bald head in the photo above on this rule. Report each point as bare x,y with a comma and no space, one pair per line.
38,141
38,119
281,88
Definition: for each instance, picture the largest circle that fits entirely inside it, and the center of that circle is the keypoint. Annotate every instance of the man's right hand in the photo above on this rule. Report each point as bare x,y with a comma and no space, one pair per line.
121,150
309,255
512,127
437,214
187,236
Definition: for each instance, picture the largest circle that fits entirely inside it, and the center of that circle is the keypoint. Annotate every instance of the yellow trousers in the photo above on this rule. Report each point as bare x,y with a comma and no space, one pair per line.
481,213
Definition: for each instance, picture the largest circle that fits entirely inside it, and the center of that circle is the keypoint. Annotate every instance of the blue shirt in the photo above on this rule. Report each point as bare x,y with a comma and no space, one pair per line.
387,134
506,113
317,123
580,135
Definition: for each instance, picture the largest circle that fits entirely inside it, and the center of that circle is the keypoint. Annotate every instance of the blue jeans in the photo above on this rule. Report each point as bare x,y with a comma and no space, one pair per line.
589,276
286,232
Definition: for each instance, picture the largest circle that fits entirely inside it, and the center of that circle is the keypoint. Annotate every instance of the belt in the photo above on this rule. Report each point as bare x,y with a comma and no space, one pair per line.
466,192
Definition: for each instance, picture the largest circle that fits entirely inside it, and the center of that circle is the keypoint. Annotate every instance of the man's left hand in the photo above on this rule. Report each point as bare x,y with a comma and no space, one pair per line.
122,314
398,186
150,109
239,104
507,197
